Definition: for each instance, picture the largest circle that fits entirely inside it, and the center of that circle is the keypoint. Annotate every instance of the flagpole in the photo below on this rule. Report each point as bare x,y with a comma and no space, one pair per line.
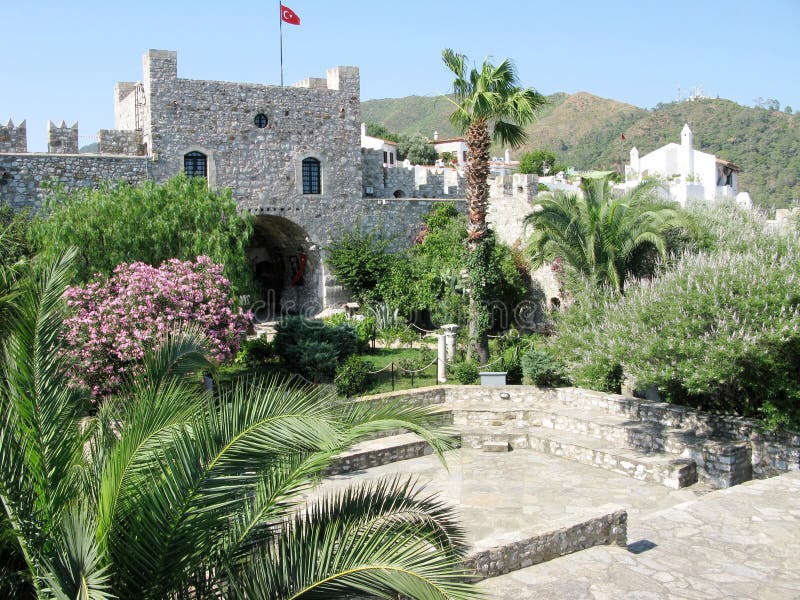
280,25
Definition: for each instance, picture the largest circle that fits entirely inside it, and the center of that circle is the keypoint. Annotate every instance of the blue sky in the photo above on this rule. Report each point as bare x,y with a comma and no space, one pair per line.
62,59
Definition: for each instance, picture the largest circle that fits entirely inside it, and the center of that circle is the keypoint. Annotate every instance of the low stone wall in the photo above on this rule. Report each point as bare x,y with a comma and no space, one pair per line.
359,461
606,529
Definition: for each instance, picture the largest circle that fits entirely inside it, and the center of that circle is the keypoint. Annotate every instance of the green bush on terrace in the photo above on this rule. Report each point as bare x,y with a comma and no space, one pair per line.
720,331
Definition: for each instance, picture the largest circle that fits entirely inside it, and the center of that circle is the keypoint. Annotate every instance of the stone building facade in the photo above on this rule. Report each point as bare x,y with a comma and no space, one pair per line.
291,156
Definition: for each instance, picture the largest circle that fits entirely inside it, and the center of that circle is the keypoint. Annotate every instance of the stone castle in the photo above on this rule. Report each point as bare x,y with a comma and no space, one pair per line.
290,155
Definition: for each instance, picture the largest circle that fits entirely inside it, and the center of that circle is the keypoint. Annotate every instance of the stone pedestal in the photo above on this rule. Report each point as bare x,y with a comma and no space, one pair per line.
450,341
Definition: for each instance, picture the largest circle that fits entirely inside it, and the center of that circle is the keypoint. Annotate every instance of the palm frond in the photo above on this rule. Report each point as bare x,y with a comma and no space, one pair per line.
76,570
381,538
42,442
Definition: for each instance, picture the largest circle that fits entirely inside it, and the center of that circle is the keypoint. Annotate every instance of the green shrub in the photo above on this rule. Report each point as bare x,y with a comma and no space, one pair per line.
364,327
360,260
720,331
466,372
539,368
352,377
255,351
312,348
423,359
149,223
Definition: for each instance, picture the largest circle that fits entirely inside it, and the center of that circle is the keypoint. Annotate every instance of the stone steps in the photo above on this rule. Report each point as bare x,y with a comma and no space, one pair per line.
664,469
379,451
626,444
591,422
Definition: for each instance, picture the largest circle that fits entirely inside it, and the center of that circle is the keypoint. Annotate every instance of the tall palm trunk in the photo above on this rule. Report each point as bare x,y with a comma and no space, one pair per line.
478,143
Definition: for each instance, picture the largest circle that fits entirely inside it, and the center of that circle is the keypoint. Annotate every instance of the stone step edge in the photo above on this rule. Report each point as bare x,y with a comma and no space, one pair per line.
390,450
609,528
672,472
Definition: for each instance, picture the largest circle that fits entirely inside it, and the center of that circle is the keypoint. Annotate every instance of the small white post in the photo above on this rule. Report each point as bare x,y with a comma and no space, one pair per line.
441,373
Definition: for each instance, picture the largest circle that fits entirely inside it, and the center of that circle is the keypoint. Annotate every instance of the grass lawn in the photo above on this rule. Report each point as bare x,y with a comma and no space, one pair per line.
384,357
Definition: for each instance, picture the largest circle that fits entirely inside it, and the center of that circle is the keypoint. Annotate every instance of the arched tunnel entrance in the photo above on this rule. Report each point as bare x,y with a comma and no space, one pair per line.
287,266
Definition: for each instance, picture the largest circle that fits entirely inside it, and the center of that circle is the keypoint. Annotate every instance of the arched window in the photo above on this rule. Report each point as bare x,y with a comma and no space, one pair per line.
195,164
312,176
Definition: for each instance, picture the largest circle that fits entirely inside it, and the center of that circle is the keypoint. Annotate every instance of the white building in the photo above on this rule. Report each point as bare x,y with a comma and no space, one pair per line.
388,147
687,174
455,146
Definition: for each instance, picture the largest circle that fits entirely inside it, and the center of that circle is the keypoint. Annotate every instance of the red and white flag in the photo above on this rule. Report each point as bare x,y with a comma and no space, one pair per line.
289,16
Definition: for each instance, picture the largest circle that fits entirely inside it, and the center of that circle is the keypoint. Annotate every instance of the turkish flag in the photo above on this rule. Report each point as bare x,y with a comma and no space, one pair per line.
289,16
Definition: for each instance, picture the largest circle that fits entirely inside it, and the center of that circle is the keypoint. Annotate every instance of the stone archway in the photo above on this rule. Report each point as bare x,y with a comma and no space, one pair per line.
286,263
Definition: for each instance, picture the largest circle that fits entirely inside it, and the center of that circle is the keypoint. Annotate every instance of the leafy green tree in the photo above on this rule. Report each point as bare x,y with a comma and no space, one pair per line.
539,162
173,493
416,149
379,131
148,223
598,236
489,105
360,259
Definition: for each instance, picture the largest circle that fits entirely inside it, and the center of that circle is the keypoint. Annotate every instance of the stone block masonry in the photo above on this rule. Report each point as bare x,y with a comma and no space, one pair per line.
24,174
13,139
62,139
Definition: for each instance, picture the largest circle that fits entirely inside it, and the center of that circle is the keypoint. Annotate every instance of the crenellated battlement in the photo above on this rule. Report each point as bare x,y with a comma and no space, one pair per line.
13,138
62,139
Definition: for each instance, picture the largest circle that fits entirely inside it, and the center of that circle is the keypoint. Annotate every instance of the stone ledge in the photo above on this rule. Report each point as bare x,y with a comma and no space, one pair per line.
602,530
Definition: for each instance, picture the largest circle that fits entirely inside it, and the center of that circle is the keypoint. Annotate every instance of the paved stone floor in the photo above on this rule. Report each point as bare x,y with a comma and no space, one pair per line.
743,542
505,496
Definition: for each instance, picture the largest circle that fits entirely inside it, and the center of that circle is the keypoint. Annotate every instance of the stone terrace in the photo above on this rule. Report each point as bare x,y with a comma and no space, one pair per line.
625,487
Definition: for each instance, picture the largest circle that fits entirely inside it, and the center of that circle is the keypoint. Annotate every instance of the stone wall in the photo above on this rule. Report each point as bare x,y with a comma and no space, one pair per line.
62,139
25,174
13,139
114,141
262,166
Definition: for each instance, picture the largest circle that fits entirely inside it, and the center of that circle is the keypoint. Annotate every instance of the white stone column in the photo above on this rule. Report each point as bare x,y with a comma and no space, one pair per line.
450,337
441,373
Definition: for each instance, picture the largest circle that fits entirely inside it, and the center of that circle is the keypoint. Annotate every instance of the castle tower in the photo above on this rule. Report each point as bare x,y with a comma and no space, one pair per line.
13,139
62,139
686,161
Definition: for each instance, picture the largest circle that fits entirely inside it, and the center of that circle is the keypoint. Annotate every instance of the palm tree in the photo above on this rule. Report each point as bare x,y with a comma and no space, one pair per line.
489,105
599,237
169,491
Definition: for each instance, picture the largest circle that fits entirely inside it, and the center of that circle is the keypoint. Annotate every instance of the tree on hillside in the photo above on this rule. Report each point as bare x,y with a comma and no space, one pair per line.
379,131
539,162
600,237
489,105
173,492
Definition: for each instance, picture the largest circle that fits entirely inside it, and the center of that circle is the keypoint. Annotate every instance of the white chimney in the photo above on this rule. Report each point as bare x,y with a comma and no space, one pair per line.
435,136
508,156
363,129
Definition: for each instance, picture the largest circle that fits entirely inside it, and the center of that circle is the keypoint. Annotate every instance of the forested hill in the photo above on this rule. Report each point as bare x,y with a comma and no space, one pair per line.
586,132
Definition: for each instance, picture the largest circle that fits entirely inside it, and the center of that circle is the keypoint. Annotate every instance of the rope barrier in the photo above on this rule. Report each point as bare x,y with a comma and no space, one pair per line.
399,368
379,370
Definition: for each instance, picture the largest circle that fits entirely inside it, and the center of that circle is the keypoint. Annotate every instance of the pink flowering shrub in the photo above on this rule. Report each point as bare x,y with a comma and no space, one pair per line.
115,320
